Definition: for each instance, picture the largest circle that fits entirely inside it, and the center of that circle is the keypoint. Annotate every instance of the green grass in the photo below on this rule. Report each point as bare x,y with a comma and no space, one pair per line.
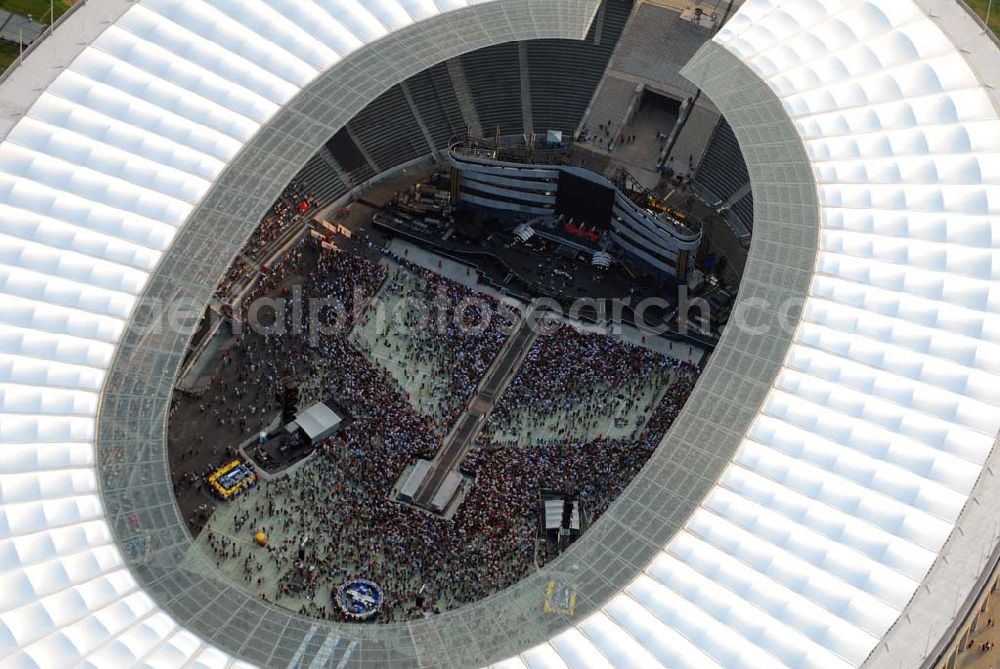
38,9
979,7
8,54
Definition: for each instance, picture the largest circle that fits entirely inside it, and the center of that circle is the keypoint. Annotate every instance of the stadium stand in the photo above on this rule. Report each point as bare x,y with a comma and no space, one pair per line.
722,171
565,73
349,157
611,102
388,130
562,75
437,104
656,45
321,180
463,94
744,211
494,78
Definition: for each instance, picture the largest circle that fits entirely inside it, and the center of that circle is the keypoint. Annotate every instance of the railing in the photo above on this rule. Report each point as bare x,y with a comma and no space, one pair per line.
48,31
474,147
646,199
992,12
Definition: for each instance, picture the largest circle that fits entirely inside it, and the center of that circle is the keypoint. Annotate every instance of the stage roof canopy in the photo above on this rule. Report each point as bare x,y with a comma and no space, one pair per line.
318,421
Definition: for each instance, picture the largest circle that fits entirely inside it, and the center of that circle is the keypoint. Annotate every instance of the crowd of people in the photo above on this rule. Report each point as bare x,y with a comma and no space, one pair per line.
445,345
240,269
575,383
670,405
268,351
292,204
242,397
333,518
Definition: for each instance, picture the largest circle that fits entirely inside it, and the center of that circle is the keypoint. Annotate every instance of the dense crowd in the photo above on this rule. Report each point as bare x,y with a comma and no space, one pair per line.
456,334
290,205
583,377
239,270
242,397
670,405
293,203
333,517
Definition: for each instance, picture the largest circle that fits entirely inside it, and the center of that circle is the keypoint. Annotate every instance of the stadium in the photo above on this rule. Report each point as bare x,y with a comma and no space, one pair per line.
305,359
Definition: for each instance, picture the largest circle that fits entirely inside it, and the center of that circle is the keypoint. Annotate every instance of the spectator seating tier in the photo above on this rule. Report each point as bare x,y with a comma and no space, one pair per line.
562,77
564,74
349,157
388,131
723,170
437,104
657,44
494,76
744,210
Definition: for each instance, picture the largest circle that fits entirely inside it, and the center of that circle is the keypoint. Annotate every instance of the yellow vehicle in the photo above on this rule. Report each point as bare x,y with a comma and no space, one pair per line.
232,478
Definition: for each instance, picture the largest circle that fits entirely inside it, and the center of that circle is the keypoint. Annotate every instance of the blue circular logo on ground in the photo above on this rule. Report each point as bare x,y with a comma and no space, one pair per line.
359,598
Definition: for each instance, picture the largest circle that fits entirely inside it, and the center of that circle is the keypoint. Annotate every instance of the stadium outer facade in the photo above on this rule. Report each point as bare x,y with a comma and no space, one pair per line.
827,498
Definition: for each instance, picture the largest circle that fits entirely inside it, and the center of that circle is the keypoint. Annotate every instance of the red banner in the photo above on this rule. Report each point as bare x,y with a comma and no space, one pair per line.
580,232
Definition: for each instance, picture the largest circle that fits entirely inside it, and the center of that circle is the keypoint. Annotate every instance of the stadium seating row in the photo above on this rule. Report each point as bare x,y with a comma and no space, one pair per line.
562,76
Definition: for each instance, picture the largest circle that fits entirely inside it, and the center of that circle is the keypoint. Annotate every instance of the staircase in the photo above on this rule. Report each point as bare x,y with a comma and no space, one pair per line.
464,95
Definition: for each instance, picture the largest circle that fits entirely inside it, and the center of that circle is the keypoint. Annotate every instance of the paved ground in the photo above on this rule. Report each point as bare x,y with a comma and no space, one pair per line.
640,156
628,415
449,269
384,333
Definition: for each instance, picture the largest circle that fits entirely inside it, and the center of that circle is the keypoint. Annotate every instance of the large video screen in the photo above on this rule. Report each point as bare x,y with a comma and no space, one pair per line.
585,200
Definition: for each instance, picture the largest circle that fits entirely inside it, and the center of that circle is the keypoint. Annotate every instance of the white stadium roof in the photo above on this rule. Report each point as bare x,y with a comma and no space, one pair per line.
859,461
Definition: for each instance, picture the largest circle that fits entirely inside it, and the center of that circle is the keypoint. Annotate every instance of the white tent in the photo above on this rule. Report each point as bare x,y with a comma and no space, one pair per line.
524,232
444,495
554,514
318,422
414,479
601,259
